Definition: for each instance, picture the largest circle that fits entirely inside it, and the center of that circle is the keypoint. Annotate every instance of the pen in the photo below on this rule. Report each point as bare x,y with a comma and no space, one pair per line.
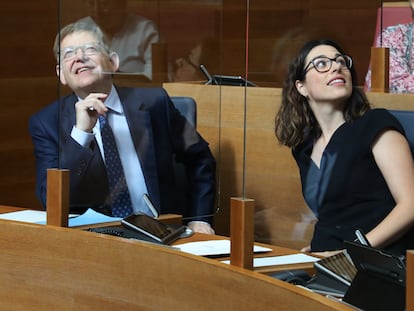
361,238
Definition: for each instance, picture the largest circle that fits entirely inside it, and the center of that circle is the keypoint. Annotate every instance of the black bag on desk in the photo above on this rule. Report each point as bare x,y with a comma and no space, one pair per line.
380,280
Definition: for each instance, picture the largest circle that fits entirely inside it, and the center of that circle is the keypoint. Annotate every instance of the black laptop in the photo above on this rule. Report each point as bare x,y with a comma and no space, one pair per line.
225,80
379,283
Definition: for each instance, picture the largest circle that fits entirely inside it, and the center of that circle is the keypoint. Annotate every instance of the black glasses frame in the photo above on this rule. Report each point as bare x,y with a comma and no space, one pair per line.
348,63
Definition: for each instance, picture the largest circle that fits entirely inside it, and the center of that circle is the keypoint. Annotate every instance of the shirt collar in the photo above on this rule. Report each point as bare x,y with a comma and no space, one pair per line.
113,102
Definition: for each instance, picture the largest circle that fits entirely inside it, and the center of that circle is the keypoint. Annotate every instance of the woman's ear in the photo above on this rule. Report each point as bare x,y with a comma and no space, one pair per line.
114,57
301,88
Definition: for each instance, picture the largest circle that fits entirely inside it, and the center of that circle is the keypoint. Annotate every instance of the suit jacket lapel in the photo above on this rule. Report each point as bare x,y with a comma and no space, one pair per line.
67,113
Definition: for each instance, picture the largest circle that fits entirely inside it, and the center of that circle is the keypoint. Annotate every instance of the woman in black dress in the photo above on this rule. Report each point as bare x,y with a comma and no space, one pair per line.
355,163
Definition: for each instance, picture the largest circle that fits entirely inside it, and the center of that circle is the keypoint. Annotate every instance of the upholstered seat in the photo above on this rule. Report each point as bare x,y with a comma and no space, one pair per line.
188,108
406,119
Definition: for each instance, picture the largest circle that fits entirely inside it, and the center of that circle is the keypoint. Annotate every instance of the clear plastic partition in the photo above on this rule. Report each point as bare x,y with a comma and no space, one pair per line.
391,54
157,41
232,58
159,44
390,13
276,32
249,40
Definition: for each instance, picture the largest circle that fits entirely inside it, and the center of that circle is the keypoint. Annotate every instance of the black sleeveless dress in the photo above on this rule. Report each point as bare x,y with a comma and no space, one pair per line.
348,191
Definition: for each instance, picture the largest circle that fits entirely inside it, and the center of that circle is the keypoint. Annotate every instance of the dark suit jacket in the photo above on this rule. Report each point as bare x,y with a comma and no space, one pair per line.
158,131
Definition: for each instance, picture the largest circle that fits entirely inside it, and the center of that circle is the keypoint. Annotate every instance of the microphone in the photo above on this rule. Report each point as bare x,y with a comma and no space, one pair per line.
210,79
361,238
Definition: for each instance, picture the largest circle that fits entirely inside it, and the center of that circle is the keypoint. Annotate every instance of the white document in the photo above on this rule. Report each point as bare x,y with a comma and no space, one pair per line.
25,216
213,248
91,217
281,260
39,217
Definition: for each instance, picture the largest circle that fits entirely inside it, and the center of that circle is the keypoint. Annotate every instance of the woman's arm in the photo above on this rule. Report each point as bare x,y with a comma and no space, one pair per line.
393,157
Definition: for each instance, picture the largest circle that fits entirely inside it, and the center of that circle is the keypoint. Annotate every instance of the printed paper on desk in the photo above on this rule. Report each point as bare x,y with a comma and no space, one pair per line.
281,260
91,217
31,216
213,248
39,217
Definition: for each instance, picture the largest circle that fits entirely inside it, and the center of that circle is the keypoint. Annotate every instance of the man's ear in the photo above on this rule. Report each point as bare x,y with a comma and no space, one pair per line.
114,57
301,88
59,73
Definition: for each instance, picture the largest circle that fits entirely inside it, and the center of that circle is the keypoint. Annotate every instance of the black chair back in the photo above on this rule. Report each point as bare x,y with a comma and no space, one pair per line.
406,119
188,108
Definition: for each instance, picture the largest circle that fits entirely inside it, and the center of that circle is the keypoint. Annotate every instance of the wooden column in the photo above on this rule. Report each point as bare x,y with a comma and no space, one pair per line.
410,281
241,232
57,200
380,69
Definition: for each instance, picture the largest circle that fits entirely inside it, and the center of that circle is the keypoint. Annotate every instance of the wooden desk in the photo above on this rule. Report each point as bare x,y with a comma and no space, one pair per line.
171,218
55,268
275,251
66,269
9,209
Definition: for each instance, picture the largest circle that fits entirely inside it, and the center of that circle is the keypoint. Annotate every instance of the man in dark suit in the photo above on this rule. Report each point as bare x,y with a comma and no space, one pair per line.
148,132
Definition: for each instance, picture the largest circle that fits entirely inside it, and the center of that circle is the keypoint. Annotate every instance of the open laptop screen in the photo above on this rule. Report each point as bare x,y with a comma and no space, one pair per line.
380,280
225,80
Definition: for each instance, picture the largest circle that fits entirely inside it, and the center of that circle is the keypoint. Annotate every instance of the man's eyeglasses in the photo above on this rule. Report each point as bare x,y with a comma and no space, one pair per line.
324,63
88,49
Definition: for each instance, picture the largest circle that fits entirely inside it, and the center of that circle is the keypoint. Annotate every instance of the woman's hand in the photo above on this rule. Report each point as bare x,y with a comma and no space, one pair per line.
307,249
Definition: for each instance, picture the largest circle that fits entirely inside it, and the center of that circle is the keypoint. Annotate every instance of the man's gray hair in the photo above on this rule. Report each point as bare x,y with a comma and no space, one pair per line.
81,26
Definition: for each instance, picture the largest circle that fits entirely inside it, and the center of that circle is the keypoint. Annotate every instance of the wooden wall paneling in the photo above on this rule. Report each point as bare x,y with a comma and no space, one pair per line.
27,29
272,177
317,19
21,97
391,101
338,22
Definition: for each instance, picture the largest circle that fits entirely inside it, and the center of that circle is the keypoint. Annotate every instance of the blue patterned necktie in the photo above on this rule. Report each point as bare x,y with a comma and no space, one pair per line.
118,189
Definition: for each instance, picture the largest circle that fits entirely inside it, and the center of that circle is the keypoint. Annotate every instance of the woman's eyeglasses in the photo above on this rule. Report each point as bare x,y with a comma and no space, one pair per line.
324,63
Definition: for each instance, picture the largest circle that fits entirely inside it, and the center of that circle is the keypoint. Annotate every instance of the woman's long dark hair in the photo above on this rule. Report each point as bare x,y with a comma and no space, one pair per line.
295,117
